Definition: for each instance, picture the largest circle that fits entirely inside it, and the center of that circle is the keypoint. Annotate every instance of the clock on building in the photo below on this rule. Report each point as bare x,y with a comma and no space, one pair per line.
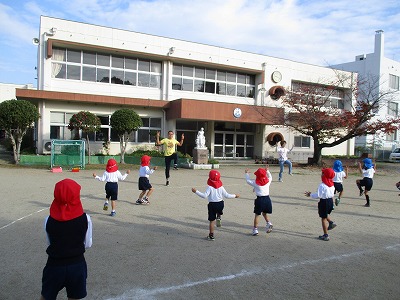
276,76
237,112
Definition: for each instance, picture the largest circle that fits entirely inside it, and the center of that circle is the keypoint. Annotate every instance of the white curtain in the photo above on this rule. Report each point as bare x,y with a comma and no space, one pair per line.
58,55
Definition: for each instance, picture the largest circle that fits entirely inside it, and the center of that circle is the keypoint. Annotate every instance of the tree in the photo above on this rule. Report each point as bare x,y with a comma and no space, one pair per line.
16,117
316,110
123,122
88,123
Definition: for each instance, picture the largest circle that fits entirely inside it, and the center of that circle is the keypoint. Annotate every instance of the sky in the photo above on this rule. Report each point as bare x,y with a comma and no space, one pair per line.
310,31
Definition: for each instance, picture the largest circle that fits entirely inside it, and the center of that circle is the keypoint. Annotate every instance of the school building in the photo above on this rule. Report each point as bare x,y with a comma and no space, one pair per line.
173,85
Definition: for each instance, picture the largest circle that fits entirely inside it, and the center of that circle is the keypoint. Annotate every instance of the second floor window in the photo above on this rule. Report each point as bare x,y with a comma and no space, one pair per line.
200,79
394,82
105,68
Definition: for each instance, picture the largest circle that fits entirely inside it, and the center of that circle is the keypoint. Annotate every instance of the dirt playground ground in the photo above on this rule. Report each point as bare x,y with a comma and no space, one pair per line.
159,251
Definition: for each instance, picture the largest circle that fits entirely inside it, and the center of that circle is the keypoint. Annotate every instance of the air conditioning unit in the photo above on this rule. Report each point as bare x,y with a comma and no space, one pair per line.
46,146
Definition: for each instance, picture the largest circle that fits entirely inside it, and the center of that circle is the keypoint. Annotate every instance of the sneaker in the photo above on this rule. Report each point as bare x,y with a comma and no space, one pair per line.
105,207
361,193
167,183
255,231
337,201
269,227
367,205
138,201
280,180
331,225
210,237
146,200
113,213
176,168
291,174
219,223
324,237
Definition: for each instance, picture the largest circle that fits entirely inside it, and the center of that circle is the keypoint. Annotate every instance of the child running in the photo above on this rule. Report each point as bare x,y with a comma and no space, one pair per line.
263,203
144,184
215,193
367,170
325,194
111,176
340,174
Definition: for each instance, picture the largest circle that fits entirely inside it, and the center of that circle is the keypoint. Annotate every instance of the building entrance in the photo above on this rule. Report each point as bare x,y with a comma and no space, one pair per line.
233,145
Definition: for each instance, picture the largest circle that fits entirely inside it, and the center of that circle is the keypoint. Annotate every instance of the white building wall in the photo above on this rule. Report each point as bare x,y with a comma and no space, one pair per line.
169,51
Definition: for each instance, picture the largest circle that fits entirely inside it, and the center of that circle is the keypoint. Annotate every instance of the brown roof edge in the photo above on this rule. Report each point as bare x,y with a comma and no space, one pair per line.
36,95
222,111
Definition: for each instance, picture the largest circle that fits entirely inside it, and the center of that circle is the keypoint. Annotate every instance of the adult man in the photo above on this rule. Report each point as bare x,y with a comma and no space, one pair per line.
169,151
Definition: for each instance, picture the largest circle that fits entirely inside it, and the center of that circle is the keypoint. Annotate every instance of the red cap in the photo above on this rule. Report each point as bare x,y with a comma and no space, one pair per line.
214,179
67,203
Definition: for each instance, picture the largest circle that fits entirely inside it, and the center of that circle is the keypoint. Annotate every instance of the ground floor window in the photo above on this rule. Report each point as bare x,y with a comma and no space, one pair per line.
302,141
59,129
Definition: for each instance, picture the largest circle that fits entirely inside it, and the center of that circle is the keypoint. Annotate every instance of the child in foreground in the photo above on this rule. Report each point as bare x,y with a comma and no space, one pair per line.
69,233
325,194
144,184
263,203
111,176
215,193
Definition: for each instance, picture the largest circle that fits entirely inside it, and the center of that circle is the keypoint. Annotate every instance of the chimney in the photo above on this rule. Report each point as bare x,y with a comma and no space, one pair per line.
379,41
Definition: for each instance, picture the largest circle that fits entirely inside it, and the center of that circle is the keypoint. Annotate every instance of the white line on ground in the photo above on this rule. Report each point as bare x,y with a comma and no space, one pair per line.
11,223
145,294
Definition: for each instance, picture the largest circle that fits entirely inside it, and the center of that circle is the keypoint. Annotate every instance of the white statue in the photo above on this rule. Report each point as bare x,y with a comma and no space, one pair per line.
201,140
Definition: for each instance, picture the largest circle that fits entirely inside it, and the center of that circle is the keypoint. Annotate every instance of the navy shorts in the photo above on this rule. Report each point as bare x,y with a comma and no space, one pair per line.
338,187
144,184
214,209
325,207
367,182
262,204
72,277
112,190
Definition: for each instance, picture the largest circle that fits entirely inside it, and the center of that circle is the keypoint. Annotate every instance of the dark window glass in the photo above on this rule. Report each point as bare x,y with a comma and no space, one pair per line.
73,56
117,62
155,81
187,85
130,63
187,71
143,79
177,70
221,75
250,92
177,83
146,122
199,86
241,91
199,72
231,77
73,72
102,135
103,60
231,90
130,78
89,74
210,74
143,136
210,87
117,77
62,72
144,65
221,88
89,58
155,122
241,78
155,67
219,138
104,120
103,75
